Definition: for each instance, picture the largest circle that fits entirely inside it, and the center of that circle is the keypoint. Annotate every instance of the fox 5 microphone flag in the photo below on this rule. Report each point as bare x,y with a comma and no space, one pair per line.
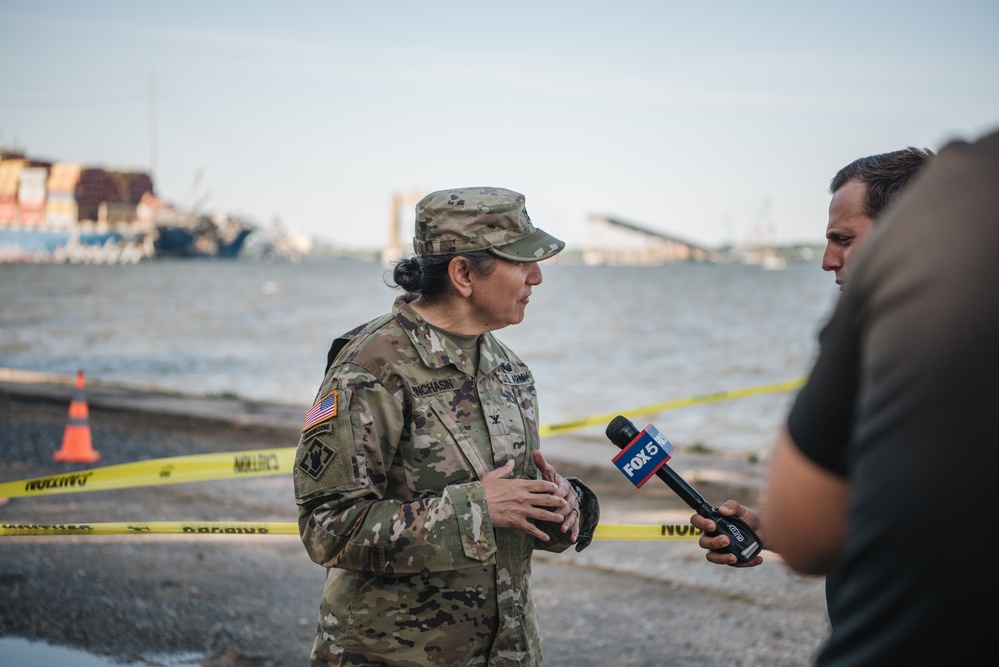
647,453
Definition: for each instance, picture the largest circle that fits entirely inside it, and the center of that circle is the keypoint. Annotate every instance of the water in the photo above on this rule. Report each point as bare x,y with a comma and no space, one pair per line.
598,339
18,652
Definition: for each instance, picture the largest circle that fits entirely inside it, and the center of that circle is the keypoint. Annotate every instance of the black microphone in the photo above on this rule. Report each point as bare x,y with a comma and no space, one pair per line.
742,541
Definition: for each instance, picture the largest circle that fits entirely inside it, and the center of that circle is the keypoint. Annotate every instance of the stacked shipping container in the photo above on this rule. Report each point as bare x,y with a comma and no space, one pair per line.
11,164
31,195
64,194
60,207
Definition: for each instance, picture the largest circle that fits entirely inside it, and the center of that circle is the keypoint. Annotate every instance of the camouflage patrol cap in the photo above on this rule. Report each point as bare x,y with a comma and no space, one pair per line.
469,219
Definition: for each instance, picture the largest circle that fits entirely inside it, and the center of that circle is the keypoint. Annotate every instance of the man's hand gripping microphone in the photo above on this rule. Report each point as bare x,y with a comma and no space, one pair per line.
742,541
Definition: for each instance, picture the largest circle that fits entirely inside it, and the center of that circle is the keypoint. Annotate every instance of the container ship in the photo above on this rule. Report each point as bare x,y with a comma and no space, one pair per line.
69,212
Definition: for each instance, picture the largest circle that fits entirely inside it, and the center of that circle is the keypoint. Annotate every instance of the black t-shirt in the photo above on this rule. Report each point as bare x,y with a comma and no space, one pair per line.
903,401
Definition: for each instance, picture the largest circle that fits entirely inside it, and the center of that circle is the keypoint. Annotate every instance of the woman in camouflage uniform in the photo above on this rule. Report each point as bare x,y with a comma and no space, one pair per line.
419,478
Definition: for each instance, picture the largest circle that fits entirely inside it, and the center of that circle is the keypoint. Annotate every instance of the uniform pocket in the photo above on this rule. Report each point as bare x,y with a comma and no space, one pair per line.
440,453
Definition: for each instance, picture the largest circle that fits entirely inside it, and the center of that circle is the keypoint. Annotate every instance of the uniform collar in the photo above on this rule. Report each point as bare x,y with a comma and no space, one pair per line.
435,349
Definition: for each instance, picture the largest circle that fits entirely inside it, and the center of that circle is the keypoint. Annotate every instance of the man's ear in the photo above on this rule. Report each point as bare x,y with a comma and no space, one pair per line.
459,270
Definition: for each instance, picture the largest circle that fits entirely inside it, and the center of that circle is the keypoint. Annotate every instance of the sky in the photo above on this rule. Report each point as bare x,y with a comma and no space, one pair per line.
712,122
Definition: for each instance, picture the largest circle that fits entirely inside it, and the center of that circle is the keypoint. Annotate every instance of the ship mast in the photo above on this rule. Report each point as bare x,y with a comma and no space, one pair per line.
152,123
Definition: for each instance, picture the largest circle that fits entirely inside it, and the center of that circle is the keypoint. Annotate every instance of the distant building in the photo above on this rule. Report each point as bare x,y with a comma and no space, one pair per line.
400,227
614,241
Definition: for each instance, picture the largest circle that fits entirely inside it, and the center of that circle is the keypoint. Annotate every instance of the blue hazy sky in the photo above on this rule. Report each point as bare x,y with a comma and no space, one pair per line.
702,120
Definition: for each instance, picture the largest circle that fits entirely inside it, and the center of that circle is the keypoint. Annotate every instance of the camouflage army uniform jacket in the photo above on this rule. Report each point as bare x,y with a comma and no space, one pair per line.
386,480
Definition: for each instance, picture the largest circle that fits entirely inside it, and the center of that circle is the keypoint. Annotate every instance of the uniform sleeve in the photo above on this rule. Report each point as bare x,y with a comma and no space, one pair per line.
343,473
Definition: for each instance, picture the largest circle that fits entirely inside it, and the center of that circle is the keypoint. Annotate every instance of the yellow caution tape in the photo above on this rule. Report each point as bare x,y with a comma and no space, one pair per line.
555,429
194,468
666,531
260,462
151,528
609,532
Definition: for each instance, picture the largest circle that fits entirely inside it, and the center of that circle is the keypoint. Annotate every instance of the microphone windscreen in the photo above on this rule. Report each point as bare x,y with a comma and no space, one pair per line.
621,431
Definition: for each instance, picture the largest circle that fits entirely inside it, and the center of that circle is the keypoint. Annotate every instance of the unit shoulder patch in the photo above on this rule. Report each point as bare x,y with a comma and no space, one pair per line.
318,454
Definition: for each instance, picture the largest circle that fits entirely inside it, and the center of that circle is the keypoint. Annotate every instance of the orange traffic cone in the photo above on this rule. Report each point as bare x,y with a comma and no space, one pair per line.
76,446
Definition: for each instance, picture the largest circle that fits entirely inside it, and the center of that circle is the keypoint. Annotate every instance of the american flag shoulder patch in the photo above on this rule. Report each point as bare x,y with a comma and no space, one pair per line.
321,411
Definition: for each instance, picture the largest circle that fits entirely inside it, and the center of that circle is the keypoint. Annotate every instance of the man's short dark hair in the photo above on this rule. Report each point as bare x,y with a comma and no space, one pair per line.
885,176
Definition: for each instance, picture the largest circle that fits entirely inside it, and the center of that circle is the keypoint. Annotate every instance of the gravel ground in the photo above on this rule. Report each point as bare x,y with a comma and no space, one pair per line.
251,601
